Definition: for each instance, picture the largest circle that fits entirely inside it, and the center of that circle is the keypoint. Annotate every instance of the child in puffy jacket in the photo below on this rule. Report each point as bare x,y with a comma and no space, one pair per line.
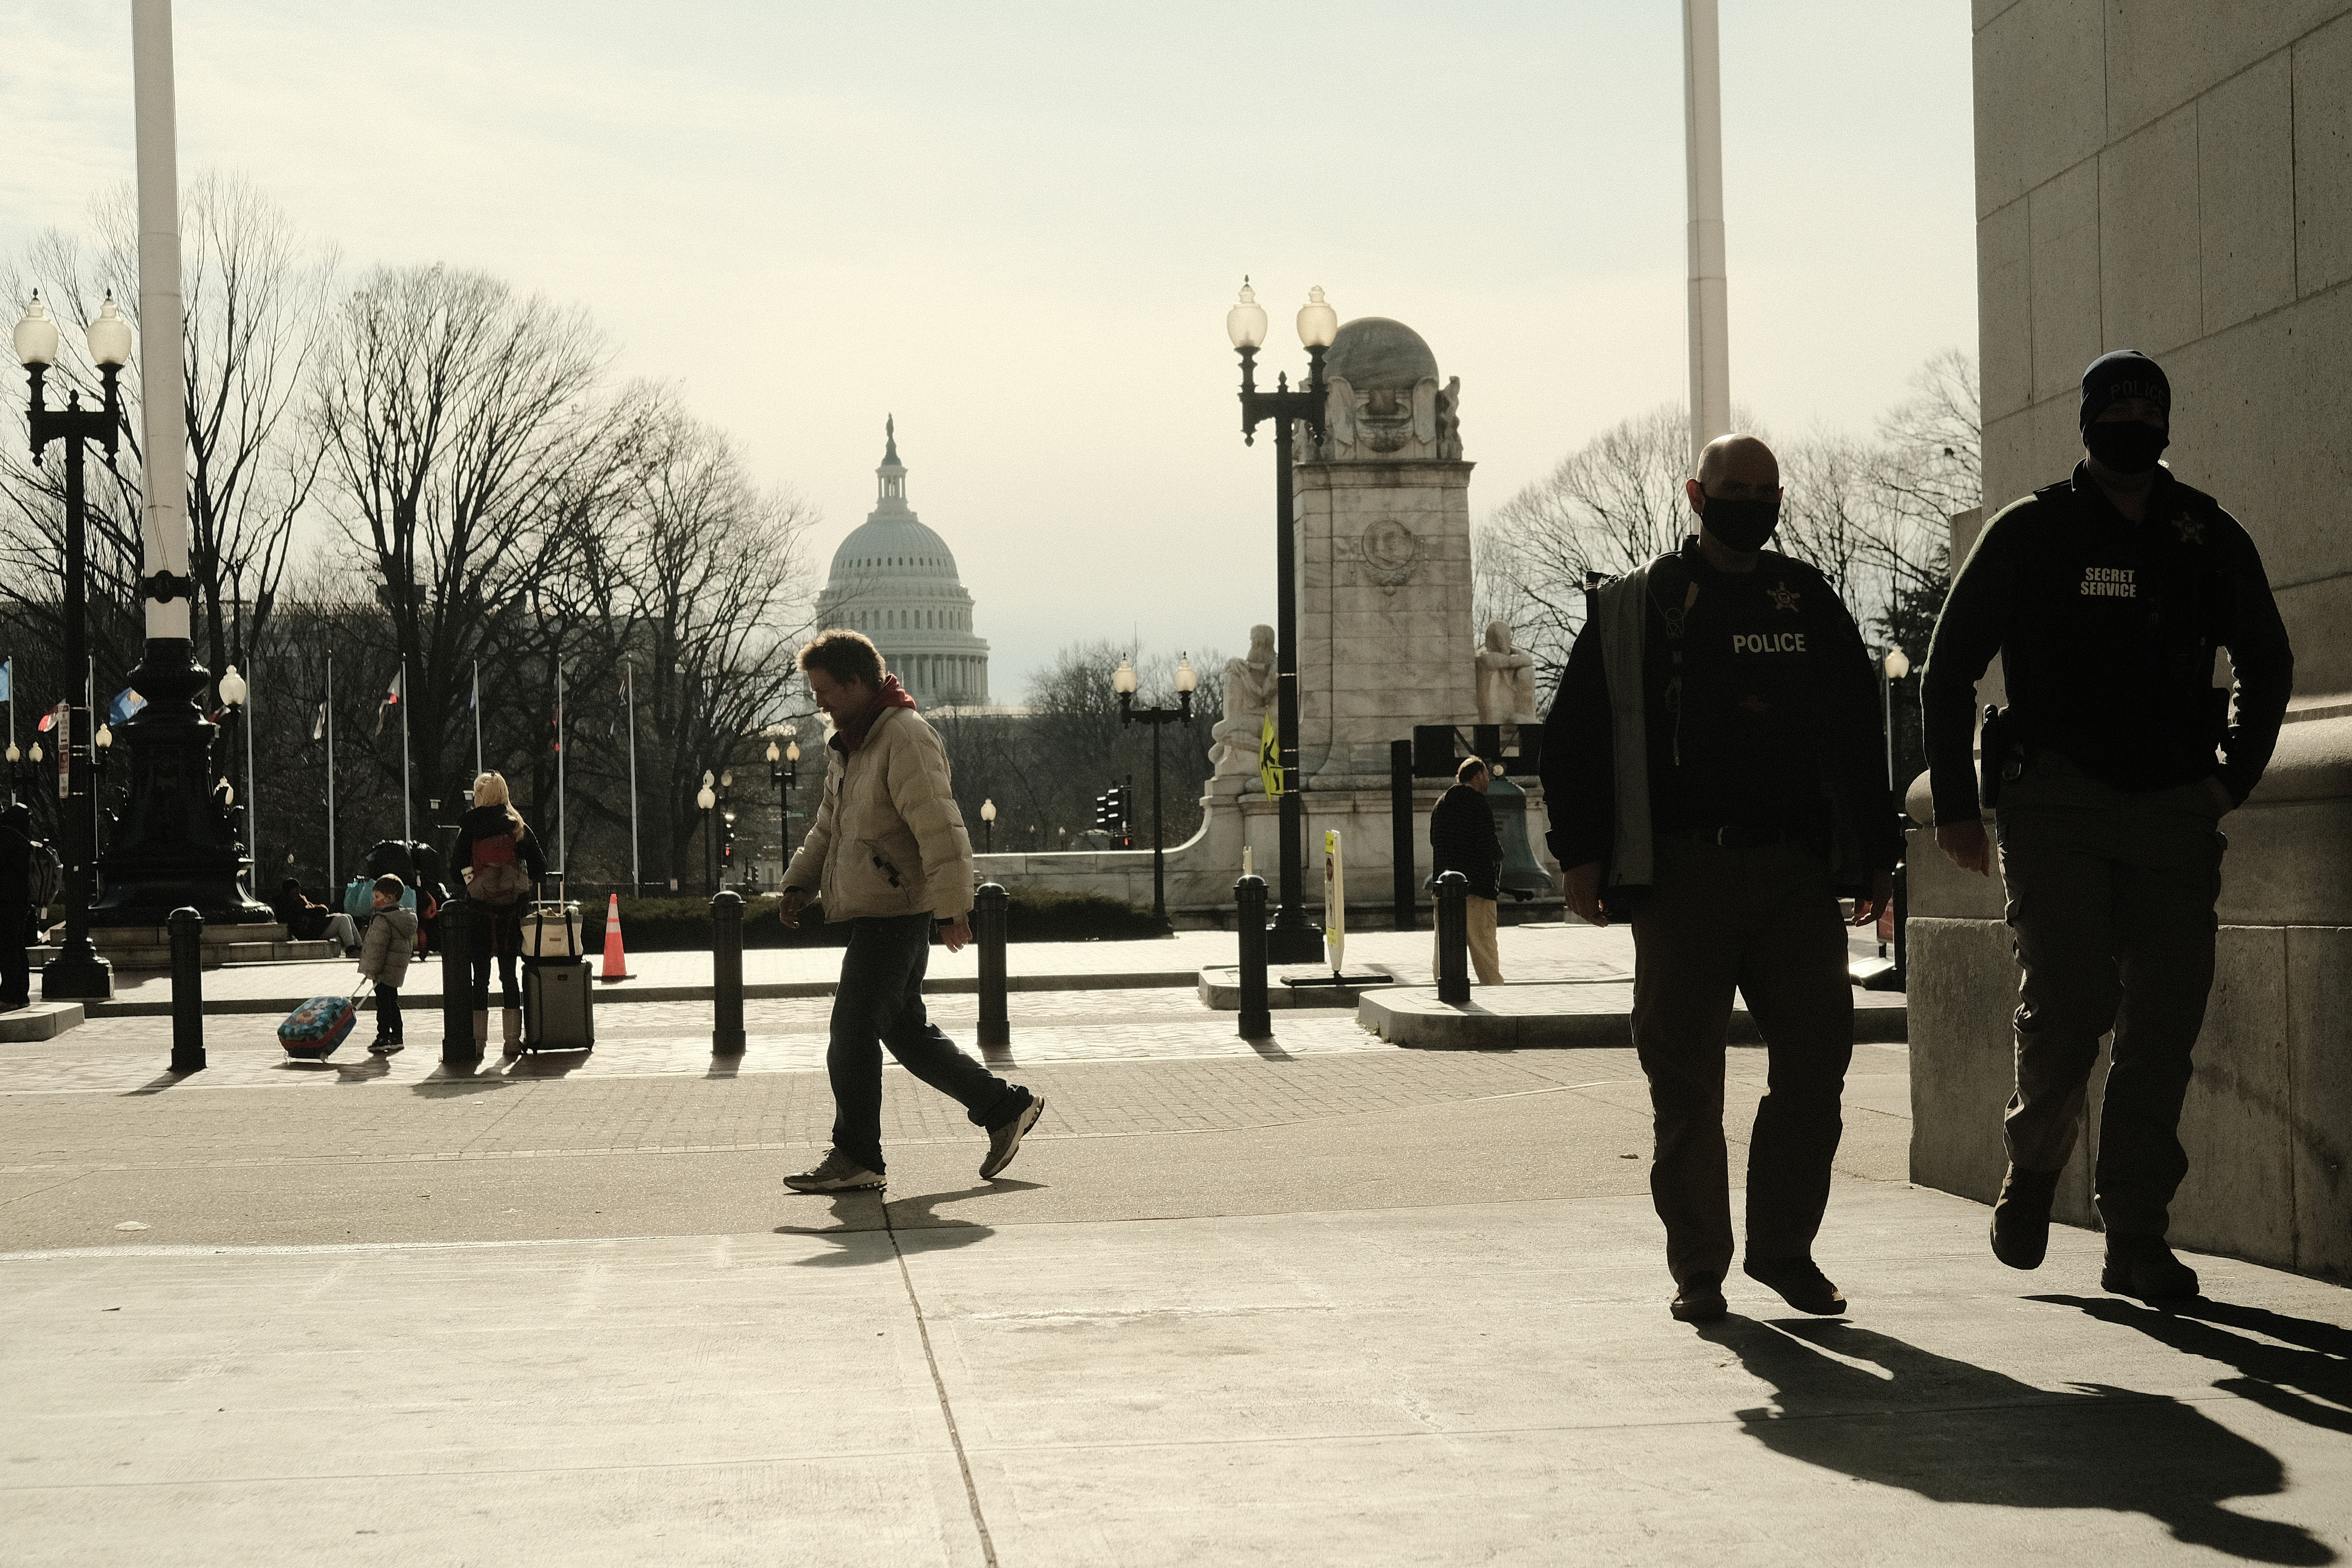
383,958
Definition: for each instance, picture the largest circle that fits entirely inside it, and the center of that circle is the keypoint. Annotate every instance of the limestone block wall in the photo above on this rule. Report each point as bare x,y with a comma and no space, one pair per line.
2175,177
1384,609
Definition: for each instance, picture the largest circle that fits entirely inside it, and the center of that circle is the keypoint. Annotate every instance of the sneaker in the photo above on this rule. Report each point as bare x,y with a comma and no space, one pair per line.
2020,1218
2142,1267
1800,1282
384,1048
836,1173
1004,1142
1700,1301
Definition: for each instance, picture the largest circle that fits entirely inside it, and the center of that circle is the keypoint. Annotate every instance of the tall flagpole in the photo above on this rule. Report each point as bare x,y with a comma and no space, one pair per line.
1710,310
334,882
408,827
478,721
629,688
562,836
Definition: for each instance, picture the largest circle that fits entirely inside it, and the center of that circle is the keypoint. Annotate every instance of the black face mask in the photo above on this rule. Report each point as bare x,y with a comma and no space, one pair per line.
1742,525
2126,445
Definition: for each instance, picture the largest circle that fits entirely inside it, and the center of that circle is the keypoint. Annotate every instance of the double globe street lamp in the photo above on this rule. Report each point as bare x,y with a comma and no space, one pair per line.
78,971
784,768
1123,681
1292,939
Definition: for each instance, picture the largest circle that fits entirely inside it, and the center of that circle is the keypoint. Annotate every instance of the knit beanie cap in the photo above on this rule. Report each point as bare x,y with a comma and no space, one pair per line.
2126,372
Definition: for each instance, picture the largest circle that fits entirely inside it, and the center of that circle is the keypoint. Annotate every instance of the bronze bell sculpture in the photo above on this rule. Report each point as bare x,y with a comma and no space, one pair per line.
1523,875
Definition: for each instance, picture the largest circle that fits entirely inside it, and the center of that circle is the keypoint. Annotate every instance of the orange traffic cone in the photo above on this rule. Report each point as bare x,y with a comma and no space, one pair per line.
617,962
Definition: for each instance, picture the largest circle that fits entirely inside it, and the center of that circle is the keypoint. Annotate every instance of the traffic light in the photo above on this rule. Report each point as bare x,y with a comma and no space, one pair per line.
1113,811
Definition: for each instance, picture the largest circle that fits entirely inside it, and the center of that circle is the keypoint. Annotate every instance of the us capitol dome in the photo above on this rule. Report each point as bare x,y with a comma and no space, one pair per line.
895,580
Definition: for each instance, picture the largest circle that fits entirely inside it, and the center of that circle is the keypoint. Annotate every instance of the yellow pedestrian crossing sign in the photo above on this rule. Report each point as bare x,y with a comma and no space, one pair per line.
1269,759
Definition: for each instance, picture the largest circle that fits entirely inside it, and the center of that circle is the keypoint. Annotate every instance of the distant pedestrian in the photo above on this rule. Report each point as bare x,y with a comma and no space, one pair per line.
498,857
1463,837
2107,595
1716,769
888,854
17,919
383,958
306,920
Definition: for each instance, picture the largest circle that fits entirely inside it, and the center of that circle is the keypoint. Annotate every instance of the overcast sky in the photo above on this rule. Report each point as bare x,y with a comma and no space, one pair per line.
1018,226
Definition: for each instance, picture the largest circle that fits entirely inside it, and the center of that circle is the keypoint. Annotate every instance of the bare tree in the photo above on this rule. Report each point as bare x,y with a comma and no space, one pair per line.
254,302
469,441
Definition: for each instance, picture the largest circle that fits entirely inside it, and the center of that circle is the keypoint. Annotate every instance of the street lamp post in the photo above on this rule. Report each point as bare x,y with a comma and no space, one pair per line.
988,826
1293,938
233,693
1896,665
726,825
76,972
707,799
784,767
1123,681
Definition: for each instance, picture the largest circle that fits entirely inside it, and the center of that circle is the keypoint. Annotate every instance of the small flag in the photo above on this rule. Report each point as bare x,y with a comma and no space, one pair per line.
47,721
1269,759
126,702
390,698
8,680
318,725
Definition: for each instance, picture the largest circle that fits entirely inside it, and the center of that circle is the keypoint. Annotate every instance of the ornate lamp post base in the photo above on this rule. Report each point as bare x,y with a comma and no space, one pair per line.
175,848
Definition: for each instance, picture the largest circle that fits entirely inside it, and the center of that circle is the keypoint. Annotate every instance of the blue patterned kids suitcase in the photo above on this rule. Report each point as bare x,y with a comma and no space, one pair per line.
312,1031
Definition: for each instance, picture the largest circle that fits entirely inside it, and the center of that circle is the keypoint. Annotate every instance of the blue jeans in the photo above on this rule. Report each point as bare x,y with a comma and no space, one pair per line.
880,1003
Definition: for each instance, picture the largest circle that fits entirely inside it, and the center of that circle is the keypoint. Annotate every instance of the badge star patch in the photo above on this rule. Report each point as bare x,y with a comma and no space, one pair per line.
2190,529
1783,597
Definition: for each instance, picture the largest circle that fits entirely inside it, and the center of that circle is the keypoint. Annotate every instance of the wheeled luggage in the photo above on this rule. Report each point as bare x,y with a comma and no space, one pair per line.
556,1010
312,1031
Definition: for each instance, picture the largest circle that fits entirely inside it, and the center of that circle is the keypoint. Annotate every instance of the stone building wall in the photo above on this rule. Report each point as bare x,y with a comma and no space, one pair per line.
2175,177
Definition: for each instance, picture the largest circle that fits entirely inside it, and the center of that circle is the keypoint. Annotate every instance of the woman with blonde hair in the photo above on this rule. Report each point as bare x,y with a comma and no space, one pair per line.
499,858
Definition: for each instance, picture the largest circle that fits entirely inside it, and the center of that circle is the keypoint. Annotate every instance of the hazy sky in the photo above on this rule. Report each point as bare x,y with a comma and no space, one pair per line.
1018,226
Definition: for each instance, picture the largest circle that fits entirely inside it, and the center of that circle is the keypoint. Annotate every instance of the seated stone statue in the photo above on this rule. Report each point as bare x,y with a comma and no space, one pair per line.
1507,680
1250,686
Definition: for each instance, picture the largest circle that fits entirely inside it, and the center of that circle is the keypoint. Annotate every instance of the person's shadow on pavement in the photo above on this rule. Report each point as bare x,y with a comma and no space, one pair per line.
2308,1378
858,1215
1954,1432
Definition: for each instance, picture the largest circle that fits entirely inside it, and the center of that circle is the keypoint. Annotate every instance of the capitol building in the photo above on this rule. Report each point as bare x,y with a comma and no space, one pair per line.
895,580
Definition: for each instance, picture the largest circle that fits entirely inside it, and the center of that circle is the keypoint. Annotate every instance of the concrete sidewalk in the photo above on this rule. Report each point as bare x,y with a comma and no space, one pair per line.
1371,1306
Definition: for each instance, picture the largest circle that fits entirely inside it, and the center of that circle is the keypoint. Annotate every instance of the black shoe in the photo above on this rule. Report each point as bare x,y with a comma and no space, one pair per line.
2020,1218
1799,1282
1004,1142
1700,1301
2142,1267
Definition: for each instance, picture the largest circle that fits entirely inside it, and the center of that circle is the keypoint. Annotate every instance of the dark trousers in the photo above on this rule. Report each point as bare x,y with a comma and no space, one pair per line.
2111,897
387,1011
880,1003
1763,923
496,932
17,923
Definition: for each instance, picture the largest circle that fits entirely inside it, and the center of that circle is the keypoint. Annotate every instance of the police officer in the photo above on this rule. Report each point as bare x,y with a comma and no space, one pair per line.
1716,768
2107,595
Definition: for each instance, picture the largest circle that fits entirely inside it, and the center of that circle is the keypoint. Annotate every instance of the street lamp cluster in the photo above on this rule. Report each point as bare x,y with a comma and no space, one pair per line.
1293,939
1123,681
77,971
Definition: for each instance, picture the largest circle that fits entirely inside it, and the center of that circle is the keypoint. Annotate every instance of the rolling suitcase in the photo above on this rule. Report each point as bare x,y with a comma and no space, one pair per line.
312,1031
556,1015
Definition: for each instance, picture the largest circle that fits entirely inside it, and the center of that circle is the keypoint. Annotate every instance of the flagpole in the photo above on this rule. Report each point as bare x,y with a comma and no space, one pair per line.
629,687
332,884
478,719
408,824
252,802
562,836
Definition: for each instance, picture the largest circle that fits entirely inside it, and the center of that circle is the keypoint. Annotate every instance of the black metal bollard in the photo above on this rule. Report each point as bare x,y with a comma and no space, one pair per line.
727,974
458,1047
187,929
990,907
1249,896
1453,938
1401,834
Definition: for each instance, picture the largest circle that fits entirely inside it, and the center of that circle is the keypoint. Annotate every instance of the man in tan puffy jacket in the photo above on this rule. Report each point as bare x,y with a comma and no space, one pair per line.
888,854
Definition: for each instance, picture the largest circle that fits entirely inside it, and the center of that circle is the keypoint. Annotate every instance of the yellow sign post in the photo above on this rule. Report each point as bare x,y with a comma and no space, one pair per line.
1335,900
